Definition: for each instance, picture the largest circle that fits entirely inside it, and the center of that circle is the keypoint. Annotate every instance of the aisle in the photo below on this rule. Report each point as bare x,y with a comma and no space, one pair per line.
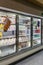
36,59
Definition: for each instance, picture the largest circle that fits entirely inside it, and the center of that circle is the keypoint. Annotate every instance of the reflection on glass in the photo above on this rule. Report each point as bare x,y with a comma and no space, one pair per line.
36,31
7,33
24,32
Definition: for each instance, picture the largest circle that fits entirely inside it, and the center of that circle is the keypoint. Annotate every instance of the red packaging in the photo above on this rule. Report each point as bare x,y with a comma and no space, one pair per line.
37,31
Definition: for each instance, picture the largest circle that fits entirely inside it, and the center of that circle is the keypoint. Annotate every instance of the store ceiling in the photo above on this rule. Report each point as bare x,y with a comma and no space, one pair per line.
36,2
40,1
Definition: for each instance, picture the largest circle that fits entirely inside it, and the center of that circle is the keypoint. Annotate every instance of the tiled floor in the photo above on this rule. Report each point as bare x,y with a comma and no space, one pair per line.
36,59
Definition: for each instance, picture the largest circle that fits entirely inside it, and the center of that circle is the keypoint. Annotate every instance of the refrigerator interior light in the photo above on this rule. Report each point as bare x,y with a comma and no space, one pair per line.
29,44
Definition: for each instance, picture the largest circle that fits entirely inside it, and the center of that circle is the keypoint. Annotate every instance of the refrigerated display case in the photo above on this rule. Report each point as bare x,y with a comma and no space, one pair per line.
7,33
24,32
20,35
36,31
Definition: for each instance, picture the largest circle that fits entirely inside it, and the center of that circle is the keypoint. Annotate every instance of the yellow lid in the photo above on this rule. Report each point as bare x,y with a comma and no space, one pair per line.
1,26
0,34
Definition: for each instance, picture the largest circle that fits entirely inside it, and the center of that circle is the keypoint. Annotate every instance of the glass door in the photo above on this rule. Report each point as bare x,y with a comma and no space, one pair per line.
36,31
7,33
42,31
24,32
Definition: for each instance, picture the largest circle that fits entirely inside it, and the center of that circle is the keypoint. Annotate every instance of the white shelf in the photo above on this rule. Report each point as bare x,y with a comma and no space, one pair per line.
37,33
22,35
27,24
36,38
24,24
28,34
22,41
35,44
4,23
24,48
36,29
21,29
8,37
4,45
